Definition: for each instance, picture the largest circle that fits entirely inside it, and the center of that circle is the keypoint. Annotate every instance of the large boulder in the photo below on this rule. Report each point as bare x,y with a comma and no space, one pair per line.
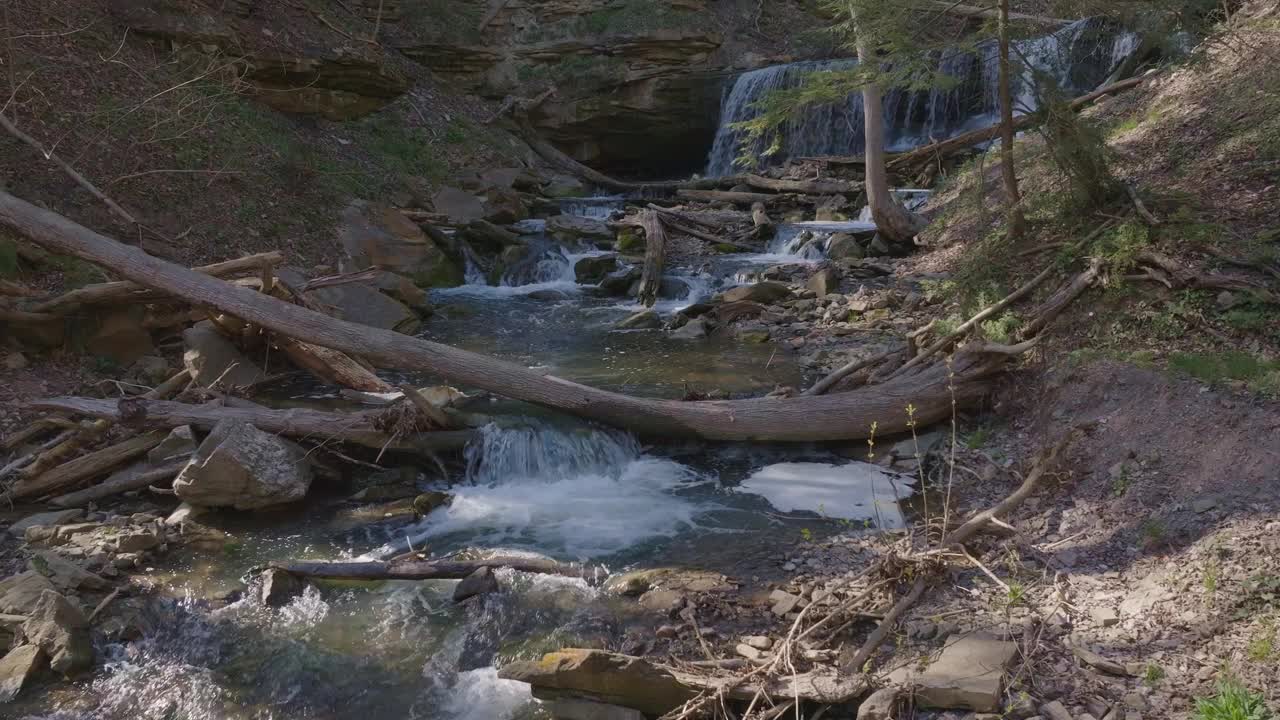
59,627
18,669
458,205
480,582
765,293
843,246
242,467
969,674
19,593
403,290
210,357
504,206
55,517
593,269
359,303
616,679
374,235
619,283
569,228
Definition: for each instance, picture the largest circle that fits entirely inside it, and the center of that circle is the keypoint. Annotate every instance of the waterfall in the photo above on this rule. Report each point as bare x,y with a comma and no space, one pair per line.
1078,57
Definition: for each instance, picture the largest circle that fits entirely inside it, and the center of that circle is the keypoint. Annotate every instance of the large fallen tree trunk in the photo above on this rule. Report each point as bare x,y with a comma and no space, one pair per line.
303,423
944,148
829,417
438,569
741,198
970,11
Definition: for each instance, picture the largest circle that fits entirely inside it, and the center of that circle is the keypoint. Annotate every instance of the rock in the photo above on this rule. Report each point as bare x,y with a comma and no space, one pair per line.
748,652
480,582
832,209
548,294
138,540
878,246
49,519
765,293
64,574
824,282
643,320
1203,505
759,642
358,303
843,246
18,668
504,206
1055,711
403,290
616,679
969,674
243,467
280,587
183,513
61,630
784,602
695,329
210,357
684,580
15,361
374,235
460,206
576,708
567,228
617,284
564,186
880,705
591,270
120,336
151,369
1105,616
177,445
19,593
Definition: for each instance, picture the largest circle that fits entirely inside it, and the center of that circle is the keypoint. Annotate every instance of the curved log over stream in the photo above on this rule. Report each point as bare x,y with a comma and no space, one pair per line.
843,416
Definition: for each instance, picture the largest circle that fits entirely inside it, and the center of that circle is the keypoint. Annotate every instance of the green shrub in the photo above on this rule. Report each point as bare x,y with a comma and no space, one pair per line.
1232,702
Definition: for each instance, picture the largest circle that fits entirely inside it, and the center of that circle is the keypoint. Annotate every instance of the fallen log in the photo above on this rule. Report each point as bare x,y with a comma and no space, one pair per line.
655,254
803,187
738,198
115,291
84,467
845,416
970,11
944,148
358,428
124,481
439,569
677,221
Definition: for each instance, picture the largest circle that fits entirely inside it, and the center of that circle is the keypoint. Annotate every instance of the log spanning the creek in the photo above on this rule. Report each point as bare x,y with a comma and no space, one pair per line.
842,416
441,569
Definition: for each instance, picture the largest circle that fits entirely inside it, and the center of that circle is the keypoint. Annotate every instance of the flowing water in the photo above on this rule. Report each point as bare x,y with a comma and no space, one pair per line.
1078,57
532,482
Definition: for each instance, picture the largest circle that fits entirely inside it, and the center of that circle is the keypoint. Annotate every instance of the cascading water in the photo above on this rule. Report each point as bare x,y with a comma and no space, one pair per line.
1078,57
577,492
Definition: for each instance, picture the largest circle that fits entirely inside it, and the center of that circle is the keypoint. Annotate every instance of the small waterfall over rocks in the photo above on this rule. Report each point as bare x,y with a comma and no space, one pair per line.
1079,57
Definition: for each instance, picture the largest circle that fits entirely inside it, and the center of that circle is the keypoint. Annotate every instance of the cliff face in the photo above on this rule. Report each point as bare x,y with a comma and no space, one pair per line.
637,82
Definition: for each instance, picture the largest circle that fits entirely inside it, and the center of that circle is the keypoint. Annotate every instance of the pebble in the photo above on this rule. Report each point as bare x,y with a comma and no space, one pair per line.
759,642
783,602
668,631
747,651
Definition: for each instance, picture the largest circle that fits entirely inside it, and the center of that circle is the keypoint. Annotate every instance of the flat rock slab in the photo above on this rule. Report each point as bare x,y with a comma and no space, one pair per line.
969,674
59,517
611,678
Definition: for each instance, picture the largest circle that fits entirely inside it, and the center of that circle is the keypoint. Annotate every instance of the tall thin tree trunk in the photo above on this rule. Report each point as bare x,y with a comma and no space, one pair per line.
1016,219
893,221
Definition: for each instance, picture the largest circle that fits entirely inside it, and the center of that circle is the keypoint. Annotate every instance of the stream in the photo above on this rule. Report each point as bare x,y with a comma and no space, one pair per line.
533,481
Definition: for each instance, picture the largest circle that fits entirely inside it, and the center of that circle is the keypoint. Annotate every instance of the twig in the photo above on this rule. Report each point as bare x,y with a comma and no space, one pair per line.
882,631
828,382
103,605
70,171
969,324
1137,204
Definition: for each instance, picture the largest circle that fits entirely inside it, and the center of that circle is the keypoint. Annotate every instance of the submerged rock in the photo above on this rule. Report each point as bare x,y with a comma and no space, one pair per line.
242,467
210,357
61,630
619,283
643,320
480,582
280,587
18,669
693,330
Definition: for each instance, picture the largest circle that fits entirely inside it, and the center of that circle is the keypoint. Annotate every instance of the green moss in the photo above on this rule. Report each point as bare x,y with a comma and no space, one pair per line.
443,275
727,248
8,258
630,241
1257,374
455,21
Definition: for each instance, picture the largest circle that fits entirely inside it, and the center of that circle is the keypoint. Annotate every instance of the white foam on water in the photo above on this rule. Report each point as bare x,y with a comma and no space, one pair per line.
577,493
481,695
854,491
500,292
